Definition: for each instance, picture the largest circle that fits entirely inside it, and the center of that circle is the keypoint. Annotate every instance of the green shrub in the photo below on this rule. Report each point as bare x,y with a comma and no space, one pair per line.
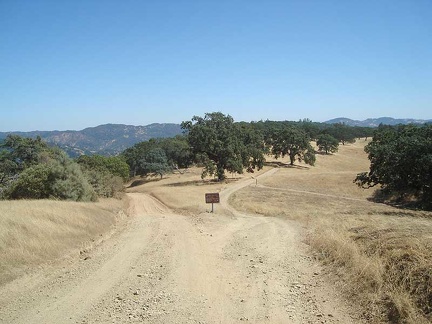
71,184
104,184
33,183
56,176
114,165
106,175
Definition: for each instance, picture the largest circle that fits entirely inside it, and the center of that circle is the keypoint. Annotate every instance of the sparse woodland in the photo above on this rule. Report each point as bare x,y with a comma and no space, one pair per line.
383,260
399,155
220,145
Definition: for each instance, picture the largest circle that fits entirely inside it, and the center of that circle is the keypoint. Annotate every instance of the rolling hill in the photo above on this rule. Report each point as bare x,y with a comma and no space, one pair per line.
375,122
109,139
112,139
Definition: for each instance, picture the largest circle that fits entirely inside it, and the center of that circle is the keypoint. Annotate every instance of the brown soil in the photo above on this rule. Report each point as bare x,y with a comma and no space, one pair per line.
184,266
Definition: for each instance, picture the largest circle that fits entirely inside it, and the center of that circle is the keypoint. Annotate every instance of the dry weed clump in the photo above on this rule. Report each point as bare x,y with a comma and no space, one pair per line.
357,273
36,232
407,259
380,255
382,260
387,269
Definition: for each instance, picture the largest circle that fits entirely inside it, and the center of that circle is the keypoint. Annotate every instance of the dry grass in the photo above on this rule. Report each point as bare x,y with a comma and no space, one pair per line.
382,256
36,232
185,192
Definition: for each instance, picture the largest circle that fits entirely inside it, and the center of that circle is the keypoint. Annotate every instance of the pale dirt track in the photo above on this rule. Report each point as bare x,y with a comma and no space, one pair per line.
167,268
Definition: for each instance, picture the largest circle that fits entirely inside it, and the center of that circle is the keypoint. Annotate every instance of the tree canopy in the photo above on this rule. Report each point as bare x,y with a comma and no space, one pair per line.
177,151
113,165
401,161
293,142
342,132
106,174
327,143
154,161
31,170
18,153
220,145
176,154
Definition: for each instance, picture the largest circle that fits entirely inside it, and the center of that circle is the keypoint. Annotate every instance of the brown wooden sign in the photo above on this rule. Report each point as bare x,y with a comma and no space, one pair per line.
212,198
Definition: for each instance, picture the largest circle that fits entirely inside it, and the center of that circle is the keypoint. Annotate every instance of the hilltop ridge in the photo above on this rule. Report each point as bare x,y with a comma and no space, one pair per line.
108,139
375,122
112,139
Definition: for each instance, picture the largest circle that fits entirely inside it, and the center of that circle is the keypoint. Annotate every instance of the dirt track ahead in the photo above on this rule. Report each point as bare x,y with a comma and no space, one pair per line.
167,268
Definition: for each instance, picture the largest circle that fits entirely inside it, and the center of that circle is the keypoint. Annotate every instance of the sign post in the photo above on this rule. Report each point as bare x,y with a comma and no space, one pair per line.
212,198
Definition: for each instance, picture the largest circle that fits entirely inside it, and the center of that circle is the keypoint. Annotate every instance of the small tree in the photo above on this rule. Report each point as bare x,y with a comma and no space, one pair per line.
295,143
327,143
70,182
133,156
155,162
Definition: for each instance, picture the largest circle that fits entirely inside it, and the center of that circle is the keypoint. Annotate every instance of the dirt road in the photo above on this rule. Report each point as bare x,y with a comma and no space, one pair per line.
225,267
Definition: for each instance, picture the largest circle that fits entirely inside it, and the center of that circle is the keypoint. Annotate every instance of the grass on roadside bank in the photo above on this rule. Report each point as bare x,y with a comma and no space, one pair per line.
382,256
36,232
385,261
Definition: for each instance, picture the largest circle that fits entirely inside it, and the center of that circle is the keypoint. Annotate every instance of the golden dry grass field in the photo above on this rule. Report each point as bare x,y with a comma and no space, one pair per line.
382,255
378,255
184,193
36,232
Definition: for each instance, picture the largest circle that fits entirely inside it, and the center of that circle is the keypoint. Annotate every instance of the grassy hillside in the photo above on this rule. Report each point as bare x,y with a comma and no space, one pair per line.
379,255
382,255
36,232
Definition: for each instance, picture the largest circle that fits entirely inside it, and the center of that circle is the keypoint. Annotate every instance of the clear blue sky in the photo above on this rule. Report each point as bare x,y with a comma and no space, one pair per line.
75,64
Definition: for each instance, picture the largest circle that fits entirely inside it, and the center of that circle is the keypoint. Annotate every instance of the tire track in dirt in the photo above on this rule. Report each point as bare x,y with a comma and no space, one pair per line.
226,267
74,291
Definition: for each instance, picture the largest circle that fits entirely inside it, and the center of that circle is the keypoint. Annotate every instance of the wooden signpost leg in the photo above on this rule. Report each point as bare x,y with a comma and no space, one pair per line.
212,198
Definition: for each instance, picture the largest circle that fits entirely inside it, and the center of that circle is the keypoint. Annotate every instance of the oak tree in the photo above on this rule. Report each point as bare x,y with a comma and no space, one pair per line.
327,143
221,145
400,161
293,142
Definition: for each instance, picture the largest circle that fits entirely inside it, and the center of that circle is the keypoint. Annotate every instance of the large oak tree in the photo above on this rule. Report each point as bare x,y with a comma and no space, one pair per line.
401,161
327,143
221,145
293,142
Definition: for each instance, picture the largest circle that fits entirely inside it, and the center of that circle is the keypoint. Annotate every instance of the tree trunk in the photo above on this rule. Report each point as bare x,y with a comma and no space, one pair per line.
292,159
220,173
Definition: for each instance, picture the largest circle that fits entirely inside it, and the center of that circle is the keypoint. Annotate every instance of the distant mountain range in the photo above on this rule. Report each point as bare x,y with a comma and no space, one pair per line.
375,122
112,139
109,139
